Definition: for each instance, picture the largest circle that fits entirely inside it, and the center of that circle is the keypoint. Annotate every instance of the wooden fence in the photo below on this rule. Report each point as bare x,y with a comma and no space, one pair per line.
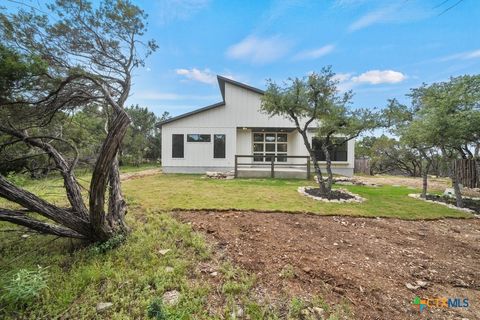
362,166
468,172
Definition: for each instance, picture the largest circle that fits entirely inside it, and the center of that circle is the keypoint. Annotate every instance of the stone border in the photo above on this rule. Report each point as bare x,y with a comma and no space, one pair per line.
451,206
356,198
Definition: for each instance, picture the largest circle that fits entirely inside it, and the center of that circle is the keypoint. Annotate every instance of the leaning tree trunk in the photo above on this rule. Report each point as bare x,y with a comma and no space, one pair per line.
103,167
78,221
117,207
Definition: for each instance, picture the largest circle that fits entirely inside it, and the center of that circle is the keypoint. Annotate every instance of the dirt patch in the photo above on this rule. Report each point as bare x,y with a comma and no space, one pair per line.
365,262
438,184
139,174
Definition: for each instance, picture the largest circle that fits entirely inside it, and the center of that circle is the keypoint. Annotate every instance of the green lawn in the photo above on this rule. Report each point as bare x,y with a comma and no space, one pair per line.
134,275
170,191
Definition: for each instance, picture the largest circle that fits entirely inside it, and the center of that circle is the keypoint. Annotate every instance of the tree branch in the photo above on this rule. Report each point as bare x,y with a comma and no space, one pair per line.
20,218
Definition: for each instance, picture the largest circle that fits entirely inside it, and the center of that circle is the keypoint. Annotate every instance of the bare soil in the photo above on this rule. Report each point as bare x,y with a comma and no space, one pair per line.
437,184
139,174
363,262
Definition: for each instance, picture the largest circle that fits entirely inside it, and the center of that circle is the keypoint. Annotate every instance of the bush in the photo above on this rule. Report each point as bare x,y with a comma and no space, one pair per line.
112,243
155,310
24,287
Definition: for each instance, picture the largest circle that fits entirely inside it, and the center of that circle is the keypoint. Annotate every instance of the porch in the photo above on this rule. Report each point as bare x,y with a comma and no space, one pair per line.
272,166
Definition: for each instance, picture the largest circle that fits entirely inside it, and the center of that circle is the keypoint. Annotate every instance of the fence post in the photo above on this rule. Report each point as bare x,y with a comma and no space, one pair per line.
236,169
308,168
272,174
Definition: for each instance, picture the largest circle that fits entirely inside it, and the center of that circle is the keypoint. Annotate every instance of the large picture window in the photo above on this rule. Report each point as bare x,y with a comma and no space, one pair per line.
219,146
177,146
198,137
267,145
337,152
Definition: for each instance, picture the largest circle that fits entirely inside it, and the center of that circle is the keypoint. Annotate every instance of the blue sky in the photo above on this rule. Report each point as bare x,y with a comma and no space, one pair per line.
379,48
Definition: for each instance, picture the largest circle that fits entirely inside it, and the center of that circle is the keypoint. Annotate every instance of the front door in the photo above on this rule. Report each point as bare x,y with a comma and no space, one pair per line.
269,144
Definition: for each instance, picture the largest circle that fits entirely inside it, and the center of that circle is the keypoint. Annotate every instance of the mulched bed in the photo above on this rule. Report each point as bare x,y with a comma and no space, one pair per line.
334,194
467,202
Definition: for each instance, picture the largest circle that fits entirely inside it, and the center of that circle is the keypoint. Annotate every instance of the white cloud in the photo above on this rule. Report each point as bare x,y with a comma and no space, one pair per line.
475,54
315,53
341,77
347,81
205,76
379,76
170,10
376,16
259,50
392,12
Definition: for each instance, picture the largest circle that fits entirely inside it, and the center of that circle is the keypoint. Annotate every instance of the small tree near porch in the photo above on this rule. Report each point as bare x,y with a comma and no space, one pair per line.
315,100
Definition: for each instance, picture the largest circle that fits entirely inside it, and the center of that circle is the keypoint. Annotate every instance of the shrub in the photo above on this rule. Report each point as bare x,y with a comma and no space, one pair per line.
155,310
112,243
24,287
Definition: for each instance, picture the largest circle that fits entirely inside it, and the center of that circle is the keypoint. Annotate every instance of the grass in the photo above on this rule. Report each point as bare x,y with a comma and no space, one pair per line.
170,191
132,274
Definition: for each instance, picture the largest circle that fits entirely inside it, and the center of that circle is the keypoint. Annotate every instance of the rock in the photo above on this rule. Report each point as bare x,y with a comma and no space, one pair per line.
460,284
421,283
171,298
102,306
411,286
305,313
164,251
335,244
237,313
220,175
450,192
307,270
338,290
169,269
318,311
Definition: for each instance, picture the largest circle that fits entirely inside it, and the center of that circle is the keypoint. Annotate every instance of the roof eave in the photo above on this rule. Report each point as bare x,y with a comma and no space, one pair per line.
212,106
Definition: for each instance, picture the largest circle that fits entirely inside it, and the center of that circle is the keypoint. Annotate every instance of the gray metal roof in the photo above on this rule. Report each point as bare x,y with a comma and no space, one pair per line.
221,84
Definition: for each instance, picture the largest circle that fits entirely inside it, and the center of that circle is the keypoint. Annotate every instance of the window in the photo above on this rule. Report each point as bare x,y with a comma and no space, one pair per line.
269,145
219,146
198,137
177,145
337,152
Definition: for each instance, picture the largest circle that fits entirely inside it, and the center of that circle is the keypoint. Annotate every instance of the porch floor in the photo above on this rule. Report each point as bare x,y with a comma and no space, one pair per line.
265,172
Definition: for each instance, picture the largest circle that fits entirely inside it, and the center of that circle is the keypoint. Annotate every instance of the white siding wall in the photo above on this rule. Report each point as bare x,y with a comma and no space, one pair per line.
242,109
198,154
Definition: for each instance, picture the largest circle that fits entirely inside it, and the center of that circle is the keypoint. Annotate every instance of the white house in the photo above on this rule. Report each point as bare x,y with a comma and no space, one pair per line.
210,138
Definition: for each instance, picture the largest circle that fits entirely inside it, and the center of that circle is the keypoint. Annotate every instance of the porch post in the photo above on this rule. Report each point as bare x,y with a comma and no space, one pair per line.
308,168
272,174
236,169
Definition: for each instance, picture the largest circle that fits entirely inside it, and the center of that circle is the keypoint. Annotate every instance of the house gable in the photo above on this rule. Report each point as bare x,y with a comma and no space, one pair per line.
241,107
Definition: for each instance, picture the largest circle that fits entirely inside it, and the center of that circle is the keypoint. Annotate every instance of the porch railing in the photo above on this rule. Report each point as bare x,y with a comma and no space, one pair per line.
272,163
